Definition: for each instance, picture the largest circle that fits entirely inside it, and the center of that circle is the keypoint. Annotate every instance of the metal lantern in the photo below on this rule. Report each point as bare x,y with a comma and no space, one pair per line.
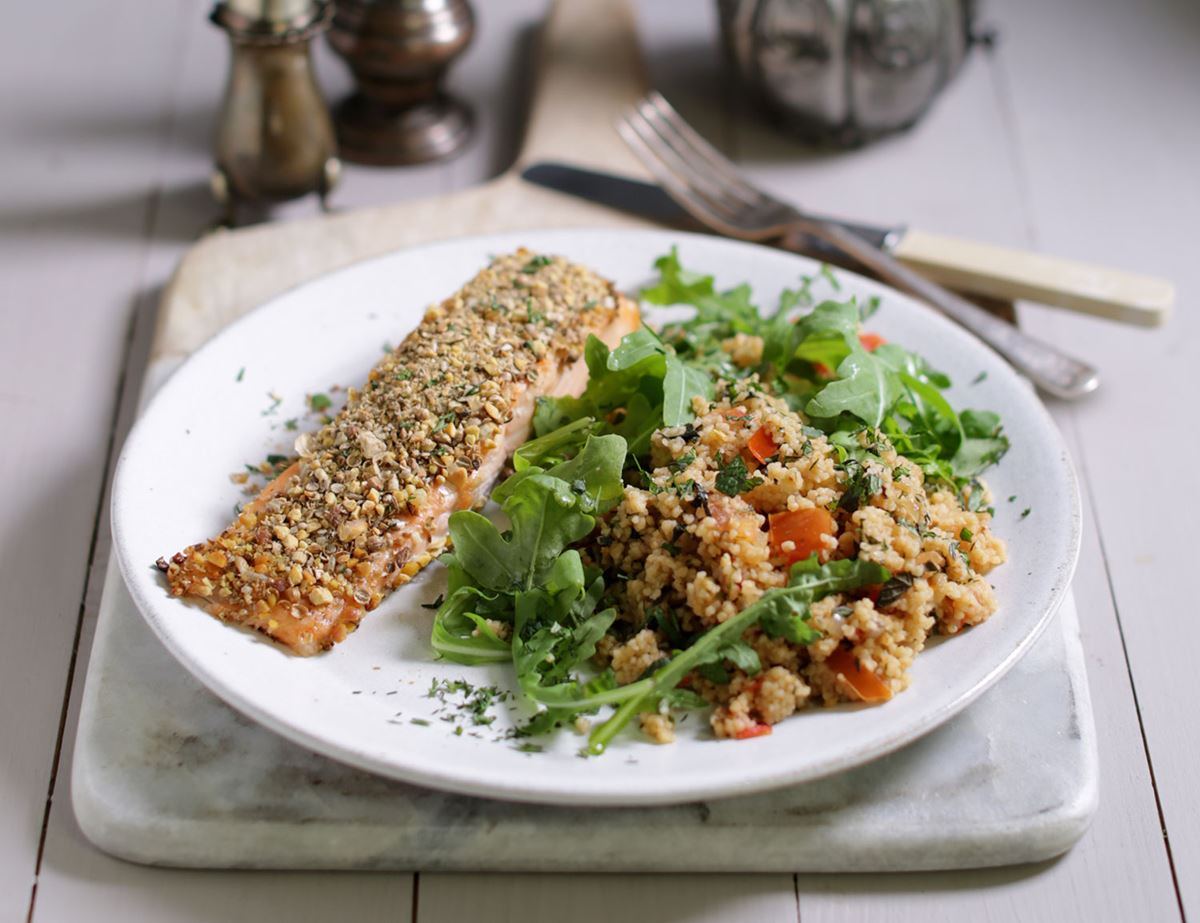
845,71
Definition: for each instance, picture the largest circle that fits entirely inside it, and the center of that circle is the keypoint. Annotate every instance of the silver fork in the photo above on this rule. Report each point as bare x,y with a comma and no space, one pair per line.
710,187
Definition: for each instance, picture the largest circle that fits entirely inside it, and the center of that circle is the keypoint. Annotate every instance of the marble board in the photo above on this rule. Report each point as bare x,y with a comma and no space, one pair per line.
166,774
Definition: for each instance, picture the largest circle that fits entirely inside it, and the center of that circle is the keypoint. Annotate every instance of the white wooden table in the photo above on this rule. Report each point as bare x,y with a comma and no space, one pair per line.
1078,135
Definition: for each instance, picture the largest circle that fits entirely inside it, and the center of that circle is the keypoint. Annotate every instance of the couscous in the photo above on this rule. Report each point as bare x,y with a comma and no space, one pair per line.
690,557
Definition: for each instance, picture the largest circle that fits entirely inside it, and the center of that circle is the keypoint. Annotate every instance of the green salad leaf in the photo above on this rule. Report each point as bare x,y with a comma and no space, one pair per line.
682,383
639,387
813,358
496,575
865,387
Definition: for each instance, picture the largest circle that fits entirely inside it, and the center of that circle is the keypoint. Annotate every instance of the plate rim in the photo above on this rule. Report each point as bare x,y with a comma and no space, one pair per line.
463,782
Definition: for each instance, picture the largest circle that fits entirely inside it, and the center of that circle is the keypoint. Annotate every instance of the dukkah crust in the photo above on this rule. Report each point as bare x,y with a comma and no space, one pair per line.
364,507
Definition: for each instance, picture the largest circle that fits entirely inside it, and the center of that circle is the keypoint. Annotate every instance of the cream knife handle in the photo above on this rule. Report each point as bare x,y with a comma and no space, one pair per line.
1013,274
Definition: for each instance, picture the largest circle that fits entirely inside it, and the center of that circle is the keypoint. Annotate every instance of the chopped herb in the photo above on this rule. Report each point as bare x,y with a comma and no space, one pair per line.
291,424
319,402
861,485
528,747
1025,512
978,378
828,276
276,400
975,499
671,548
893,590
966,534
241,374
589,304
535,264
668,624
1012,498
682,461
277,460
387,347
403,375
900,472
420,721
442,422
733,478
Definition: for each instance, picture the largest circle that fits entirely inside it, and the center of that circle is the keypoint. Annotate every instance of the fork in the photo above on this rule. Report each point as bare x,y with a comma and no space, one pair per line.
710,187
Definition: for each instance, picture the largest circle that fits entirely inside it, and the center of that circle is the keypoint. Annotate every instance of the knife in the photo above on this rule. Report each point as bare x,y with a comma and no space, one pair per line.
967,266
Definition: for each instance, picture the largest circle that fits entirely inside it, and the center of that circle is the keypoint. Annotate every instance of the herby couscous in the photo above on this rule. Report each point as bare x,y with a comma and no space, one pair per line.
695,545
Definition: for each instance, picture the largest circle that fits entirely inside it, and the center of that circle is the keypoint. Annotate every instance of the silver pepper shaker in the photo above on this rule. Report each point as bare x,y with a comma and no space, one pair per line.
399,52
275,138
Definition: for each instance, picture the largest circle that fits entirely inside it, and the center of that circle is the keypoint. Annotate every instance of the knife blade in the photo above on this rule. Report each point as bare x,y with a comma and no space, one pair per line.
650,201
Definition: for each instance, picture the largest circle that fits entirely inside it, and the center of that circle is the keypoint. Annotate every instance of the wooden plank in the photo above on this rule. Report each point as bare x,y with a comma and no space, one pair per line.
533,898
962,154
1108,150
1118,871
73,874
600,898
939,212
79,147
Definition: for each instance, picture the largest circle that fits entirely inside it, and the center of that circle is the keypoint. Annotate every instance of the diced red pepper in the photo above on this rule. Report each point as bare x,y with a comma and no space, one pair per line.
871,341
755,730
761,445
866,685
805,529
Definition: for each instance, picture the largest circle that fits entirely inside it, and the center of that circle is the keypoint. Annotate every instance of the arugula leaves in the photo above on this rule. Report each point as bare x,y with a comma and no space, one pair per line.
528,576
639,387
865,388
681,383
818,363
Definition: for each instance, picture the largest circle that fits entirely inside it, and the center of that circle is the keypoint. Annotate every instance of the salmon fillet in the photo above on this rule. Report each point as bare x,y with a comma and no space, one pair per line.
367,504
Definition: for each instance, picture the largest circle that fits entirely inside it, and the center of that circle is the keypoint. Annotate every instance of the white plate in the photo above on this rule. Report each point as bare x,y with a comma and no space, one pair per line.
356,703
